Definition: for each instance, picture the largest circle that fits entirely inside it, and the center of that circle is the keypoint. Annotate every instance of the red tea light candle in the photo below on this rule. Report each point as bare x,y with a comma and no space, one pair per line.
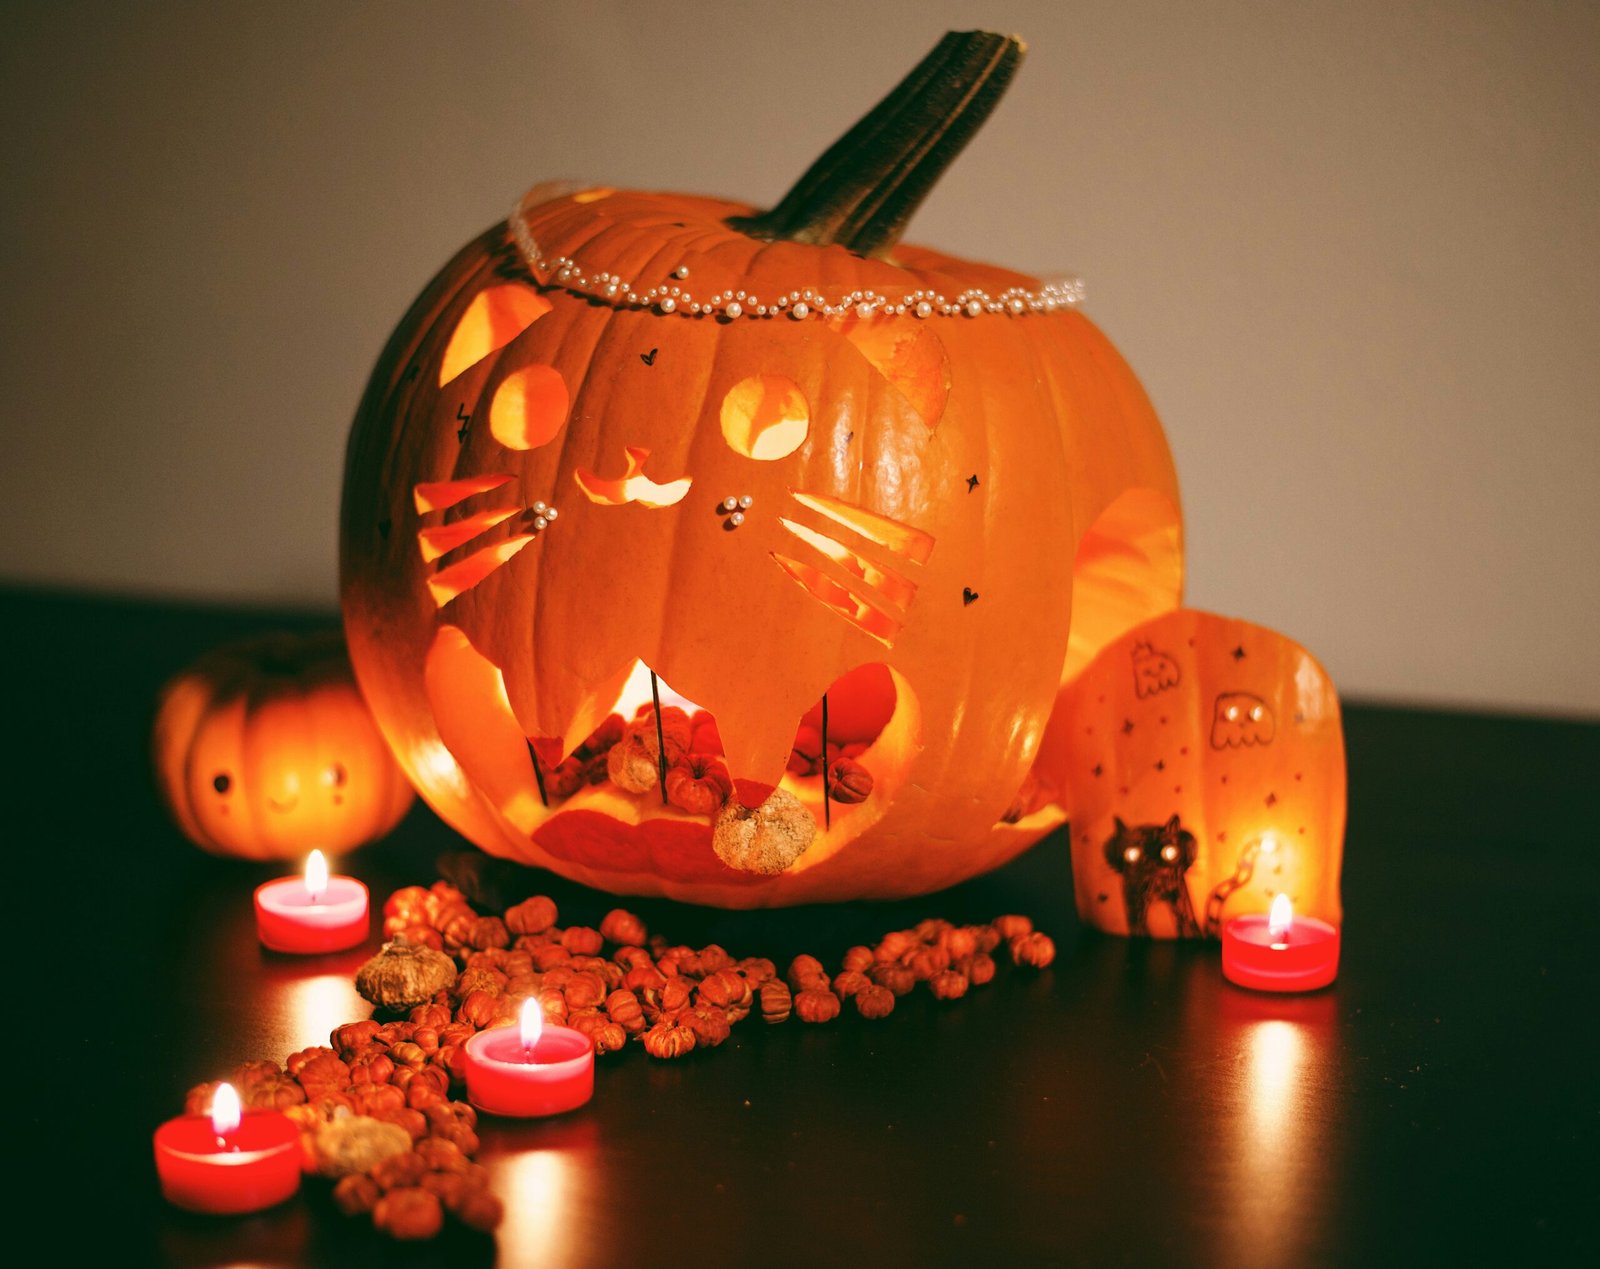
1280,951
530,1069
316,913
230,1161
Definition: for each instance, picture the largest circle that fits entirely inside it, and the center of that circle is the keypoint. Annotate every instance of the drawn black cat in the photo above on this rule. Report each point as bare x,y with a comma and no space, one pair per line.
1152,860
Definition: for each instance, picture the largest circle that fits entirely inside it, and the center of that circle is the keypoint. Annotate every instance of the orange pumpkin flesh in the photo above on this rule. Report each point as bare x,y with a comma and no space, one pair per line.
265,750
865,543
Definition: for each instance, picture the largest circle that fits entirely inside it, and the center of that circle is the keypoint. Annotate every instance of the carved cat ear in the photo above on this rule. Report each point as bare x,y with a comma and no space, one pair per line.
1173,826
1121,827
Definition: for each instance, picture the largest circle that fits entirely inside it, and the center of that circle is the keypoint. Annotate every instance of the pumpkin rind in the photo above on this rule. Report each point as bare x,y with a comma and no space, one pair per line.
1039,407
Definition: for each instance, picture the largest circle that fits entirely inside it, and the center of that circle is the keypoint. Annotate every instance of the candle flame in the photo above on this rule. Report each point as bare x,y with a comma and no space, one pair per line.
316,875
531,1022
225,1110
1279,918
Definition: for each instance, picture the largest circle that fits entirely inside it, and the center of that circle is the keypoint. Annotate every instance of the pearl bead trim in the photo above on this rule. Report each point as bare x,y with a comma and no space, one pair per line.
668,297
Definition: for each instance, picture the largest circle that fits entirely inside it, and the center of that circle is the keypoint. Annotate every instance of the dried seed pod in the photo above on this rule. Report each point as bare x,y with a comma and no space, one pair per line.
410,901
764,839
621,926
979,968
848,781
398,1171
644,978
948,984
249,1073
805,756
606,1035
699,784
816,1005
354,1143
804,971
403,975
487,932
356,1195
566,778
897,978
580,940
409,1215
713,958
959,941
634,762
374,1067
874,1002
549,956
413,1121
724,989
858,958
584,991
710,1026
278,1092
478,1008
442,1155
1034,950
668,1039
848,982
373,1099
479,978
1010,927
352,1036
757,970
197,1101
776,1001
927,962
531,916
430,1015
894,945
478,1209
623,1008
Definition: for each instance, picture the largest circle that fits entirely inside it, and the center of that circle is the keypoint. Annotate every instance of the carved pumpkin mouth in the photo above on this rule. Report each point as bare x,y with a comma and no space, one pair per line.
283,808
605,829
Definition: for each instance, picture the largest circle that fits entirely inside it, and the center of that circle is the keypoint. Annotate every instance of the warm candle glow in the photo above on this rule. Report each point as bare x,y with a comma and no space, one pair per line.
225,1110
316,875
530,1022
1279,918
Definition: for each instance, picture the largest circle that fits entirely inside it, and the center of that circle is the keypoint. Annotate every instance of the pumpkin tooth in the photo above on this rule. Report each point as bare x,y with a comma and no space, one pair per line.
461,577
904,540
444,538
437,495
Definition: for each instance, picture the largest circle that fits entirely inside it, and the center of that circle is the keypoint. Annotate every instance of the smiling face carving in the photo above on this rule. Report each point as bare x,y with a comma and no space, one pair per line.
265,750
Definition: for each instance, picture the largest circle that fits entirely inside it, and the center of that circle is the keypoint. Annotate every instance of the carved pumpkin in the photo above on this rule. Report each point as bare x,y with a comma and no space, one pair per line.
1202,791
859,508
265,750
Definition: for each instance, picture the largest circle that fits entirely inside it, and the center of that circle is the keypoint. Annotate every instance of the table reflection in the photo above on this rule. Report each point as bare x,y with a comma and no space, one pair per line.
539,1188
313,1007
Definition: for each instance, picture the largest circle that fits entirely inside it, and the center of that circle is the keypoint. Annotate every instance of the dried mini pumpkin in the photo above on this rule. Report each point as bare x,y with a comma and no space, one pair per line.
404,974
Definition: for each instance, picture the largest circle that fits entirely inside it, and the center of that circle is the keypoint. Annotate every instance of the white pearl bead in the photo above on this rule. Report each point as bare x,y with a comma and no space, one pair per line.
800,309
747,502
540,523
551,513
730,503
924,309
539,508
736,519
974,308
863,310
667,304
734,309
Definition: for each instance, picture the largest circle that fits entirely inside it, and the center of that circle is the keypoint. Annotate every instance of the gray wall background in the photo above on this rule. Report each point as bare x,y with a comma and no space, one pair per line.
1352,249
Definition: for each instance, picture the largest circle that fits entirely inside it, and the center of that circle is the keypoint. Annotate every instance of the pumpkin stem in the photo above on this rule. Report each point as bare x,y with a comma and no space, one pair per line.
861,193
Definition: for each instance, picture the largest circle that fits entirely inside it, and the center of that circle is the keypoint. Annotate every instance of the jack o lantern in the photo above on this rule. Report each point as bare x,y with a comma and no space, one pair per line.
265,750
741,558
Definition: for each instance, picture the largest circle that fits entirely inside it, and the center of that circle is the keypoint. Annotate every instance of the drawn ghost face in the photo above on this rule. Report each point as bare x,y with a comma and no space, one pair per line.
1153,671
1241,720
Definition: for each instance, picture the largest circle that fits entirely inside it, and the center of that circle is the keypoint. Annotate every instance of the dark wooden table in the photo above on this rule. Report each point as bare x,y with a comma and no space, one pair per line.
1125,1107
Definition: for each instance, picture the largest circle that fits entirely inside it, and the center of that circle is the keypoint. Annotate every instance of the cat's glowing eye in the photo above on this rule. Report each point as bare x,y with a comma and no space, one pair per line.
1255,714
1169,853
221,782
1233,713
1131,854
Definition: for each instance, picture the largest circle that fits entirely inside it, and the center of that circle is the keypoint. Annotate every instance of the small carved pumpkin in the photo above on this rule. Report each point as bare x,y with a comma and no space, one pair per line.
265,750
778,460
